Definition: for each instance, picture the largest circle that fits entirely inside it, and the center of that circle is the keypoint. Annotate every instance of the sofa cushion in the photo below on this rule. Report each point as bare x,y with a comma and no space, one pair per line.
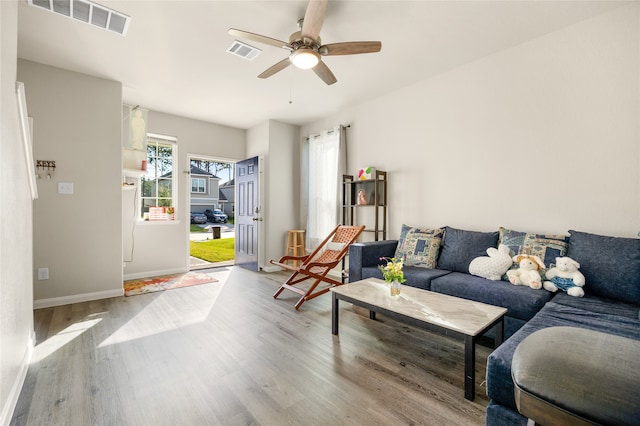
419,247
597,304
546,246
610,265
499,381
460,247
522,302
416,276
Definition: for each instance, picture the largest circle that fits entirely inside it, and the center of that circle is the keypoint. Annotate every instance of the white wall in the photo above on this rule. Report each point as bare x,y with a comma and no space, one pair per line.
76,123
161,248
542,137
279,144
283,192
16,236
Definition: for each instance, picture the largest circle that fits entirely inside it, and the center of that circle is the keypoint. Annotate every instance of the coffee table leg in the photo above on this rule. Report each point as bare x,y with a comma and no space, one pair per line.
334,315
499,333
469,368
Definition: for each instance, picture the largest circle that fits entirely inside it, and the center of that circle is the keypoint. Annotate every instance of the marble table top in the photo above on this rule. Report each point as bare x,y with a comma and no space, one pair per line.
453,313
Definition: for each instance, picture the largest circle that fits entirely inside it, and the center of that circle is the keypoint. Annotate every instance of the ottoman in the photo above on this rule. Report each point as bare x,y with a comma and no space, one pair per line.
575,376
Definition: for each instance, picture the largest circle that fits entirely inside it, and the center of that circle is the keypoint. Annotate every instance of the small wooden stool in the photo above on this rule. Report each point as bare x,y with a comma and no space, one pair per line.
295,244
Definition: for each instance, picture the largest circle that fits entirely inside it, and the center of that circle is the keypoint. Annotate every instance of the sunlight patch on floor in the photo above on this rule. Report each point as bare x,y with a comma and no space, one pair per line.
141,326
52,344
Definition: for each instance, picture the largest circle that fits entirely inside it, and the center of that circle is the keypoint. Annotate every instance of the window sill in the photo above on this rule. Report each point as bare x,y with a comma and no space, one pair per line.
157,222
133,173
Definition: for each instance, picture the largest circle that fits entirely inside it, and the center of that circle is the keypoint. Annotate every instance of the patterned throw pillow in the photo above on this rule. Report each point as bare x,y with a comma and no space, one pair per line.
419,247
546,247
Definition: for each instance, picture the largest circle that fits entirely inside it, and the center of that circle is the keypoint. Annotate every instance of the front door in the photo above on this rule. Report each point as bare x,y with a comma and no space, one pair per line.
248,216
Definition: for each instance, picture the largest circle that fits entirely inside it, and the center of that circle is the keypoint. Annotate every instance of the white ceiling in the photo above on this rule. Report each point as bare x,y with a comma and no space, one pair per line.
174,58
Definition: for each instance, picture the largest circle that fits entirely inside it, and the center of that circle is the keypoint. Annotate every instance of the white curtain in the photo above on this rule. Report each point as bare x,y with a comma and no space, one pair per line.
324,163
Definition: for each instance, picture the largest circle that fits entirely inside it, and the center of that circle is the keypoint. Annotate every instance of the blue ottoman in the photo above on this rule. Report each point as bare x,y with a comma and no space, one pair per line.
569,375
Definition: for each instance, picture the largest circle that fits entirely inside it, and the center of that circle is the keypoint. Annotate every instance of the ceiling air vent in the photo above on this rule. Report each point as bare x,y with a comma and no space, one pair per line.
243,50
87,12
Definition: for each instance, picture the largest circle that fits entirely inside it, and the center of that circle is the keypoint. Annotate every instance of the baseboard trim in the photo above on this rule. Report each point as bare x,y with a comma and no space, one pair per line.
147,274
77,298
14,394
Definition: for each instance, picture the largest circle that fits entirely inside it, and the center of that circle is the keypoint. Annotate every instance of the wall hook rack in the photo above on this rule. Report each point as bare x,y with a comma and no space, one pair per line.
45,166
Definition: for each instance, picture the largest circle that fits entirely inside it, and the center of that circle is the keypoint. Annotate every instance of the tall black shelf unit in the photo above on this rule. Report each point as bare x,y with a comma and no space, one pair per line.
364,195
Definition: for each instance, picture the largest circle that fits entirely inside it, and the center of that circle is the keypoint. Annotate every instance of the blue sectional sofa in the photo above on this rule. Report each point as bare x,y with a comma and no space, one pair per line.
611,266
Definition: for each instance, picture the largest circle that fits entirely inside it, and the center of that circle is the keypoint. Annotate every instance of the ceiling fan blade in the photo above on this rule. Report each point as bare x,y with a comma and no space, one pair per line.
325,74
313,18
350,48
259,38
277,67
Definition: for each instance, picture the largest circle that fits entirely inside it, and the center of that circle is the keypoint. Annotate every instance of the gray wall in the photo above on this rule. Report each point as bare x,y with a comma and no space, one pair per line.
76,123
542,137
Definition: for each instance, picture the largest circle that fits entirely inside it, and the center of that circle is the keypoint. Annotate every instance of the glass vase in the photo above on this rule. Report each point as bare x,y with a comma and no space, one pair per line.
395,288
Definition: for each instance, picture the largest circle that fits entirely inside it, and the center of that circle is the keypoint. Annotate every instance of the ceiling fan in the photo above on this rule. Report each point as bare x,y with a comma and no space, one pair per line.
305,46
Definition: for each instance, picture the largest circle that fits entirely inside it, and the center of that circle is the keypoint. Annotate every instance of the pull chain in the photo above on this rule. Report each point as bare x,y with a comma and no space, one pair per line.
290,85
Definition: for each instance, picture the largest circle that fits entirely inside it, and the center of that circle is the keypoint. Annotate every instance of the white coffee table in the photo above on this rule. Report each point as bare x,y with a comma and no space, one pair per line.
462,319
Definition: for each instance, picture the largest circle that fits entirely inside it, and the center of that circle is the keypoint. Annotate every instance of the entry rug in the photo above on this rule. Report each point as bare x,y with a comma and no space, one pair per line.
165,282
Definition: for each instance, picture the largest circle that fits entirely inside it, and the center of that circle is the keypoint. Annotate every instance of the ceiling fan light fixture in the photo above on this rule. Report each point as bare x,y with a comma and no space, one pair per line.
305,58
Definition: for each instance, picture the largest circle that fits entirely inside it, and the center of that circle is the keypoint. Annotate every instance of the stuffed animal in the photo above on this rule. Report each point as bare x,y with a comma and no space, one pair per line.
494,266
565,276
528,273
362,198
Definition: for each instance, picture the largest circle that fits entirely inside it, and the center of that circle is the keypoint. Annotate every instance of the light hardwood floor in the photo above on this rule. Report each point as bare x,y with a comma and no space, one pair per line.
228,353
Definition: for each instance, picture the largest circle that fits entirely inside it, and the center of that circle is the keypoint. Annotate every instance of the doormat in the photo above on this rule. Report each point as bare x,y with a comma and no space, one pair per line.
166,282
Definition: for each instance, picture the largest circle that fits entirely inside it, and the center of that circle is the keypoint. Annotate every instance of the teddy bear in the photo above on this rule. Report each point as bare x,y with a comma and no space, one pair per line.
494,266
362,198
528,273
565,276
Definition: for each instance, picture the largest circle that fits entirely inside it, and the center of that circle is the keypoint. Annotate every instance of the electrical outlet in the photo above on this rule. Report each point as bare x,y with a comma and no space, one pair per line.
43,274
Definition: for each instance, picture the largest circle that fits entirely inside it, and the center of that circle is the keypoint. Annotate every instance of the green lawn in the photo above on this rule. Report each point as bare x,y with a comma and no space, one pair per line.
218,250
197,228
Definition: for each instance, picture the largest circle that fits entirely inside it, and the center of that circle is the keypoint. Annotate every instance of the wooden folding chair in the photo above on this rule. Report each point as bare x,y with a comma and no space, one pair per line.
317,265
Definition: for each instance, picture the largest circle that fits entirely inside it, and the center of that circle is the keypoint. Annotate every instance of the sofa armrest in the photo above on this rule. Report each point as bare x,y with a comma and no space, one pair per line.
368,254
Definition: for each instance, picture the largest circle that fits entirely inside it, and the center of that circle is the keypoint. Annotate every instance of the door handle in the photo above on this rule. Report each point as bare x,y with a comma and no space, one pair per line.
257,219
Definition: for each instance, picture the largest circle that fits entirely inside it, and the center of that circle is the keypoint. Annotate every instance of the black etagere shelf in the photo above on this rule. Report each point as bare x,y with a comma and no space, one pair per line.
359,196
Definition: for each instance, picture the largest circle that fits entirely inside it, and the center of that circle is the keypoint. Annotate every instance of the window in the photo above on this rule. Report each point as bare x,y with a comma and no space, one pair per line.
157,183
324,158
198,185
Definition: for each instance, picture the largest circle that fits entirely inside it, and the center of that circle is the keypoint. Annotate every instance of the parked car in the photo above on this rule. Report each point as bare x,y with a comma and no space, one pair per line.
216,215
198,218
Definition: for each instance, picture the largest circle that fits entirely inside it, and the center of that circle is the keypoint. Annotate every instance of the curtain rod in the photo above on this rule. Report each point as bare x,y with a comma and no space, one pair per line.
346,126
133,108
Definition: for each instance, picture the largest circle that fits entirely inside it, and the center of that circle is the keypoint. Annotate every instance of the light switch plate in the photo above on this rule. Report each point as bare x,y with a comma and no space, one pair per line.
65,188
43,274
